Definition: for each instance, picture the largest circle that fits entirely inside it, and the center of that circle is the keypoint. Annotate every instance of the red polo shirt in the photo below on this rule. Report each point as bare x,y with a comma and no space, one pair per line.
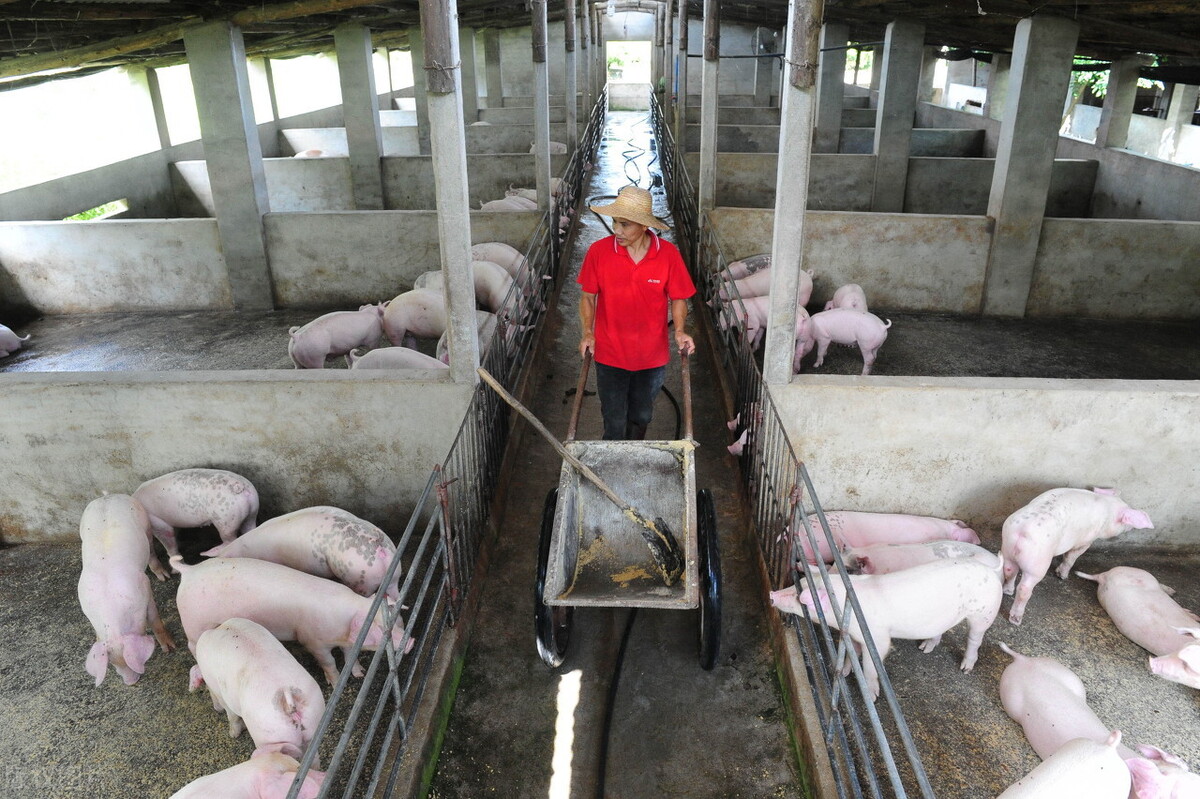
633,301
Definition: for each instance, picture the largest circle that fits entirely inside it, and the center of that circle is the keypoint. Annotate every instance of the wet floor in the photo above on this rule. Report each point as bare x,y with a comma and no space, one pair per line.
520,729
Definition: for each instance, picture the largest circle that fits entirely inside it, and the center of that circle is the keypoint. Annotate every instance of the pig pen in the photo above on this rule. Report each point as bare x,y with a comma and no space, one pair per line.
973,421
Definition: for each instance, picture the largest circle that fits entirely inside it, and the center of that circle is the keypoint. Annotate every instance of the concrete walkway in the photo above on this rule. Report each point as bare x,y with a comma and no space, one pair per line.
519,729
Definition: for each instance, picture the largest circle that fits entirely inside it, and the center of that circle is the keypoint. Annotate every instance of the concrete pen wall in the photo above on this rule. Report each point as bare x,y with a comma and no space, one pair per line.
323,184
977,449
403,140
1101,268
843,182
363,442
318,260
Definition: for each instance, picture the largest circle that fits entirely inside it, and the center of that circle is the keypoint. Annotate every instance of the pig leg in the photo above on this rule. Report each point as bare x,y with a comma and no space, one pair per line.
1068,560
156,565
1010,574
324,658
165,533
822,348
160,631
1029,580
883,643
929,644
236,727
868,359
976,627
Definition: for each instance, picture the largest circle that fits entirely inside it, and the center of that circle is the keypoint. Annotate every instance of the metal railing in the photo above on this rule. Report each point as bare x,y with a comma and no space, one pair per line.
439,550
871,751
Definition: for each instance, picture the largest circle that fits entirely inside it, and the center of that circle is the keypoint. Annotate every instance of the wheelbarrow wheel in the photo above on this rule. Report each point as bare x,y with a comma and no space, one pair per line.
552,625
710,579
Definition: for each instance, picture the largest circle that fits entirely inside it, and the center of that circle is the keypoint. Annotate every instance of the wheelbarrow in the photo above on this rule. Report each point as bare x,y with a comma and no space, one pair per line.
591,554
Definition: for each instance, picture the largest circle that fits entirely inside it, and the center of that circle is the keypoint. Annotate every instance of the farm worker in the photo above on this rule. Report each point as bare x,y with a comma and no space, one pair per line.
628,280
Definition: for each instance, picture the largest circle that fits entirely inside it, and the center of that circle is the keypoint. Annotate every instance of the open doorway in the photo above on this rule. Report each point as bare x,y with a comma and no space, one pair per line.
629,75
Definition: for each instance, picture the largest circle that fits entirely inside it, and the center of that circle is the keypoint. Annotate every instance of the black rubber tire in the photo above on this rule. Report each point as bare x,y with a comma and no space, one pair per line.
552,625
710,579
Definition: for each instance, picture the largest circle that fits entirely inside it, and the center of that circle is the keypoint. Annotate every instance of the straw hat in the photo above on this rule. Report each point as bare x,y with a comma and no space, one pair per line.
634,204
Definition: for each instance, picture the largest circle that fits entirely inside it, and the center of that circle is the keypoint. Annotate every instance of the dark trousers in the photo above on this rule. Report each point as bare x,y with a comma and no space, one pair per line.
627,399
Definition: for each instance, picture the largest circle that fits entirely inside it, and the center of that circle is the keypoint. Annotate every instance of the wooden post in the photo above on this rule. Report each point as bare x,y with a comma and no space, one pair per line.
449,150
791,185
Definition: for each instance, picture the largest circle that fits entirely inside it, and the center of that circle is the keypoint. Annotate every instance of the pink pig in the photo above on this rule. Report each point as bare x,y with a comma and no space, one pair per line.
852,528
1049,701
393,358
513,262
335,334
849,296
260,686
197,498
921,603
268,776
888,558
492,284
747,266
420,313
758,284
114,591
1182,666
849,327
324,541
1061,521
1080,768
753,313
294,606
10,342
1142,609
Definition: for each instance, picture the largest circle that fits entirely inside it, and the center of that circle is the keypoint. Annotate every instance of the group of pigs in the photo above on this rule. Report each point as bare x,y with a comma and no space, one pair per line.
523,199
917,577
419,313
844,320
308,576
10,342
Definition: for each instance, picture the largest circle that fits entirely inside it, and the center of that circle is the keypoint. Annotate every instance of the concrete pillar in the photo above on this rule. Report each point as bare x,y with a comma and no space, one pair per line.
217,59
668,62
491,61
1179,113
796,112
681,91
1118,103
572,87
270,75
764,68
831,88
583,32
416,46
440,52
1041,72
929,61
601,52
997,87
470,88
876,68
708,108
896,112
156,104
541,105
656,51
360,110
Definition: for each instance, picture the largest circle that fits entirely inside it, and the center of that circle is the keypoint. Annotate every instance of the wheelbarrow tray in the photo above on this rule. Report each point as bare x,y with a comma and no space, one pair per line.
598,555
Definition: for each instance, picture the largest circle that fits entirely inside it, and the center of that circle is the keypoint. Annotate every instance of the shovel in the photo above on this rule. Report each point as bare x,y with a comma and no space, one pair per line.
663,546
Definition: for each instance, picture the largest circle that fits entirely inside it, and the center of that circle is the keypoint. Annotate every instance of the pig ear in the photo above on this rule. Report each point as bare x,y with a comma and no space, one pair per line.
1154,753
1137,519
97,661
1147,779
137,649
1106,491
195,679
1190,655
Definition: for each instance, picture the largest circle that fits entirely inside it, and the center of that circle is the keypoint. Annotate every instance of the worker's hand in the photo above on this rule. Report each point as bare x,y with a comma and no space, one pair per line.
587,342
684,342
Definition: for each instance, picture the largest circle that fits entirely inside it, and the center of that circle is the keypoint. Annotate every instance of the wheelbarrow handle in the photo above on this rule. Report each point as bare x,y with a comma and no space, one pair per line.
577,405
687,396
